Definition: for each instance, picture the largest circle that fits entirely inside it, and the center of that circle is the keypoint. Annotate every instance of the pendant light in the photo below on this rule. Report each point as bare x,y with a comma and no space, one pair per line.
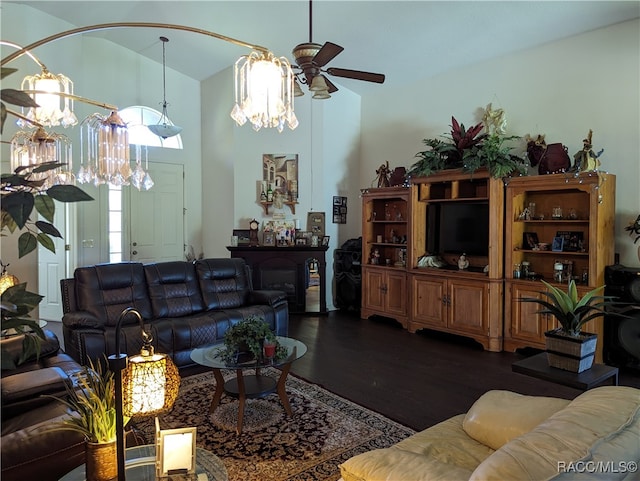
164,128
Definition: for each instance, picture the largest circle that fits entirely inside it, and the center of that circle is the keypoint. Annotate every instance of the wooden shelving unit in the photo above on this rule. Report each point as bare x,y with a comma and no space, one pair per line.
587,204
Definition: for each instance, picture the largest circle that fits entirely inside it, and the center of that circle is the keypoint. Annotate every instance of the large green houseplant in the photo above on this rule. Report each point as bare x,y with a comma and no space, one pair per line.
470,150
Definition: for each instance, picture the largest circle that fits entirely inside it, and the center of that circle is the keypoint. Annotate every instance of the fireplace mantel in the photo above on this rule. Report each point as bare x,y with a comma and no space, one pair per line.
271,265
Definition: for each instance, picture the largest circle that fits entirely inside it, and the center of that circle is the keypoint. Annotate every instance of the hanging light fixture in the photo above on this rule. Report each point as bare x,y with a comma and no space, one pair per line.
264,91
164,128
54,96
34,148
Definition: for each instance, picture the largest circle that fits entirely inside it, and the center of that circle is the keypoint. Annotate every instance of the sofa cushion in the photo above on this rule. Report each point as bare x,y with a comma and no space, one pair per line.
105,290
596,425
173,289
499,416
224,282
442,452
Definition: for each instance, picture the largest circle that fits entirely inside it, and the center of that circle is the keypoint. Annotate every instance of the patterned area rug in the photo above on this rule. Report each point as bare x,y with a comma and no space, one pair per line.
325,430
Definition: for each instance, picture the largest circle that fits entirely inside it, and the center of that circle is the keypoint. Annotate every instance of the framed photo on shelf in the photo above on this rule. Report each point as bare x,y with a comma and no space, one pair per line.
530,240
325,240
558,244
243,236
269,239
315,223
573,240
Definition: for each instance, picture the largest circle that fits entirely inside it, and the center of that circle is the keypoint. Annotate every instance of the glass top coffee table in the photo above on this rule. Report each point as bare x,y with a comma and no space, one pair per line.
141,466
249,385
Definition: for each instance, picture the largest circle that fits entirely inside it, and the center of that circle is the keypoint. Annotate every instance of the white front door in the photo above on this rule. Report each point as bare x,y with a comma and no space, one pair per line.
156,225
52,267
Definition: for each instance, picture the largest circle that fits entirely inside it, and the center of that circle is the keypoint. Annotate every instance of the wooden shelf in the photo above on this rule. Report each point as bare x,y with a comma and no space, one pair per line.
291,204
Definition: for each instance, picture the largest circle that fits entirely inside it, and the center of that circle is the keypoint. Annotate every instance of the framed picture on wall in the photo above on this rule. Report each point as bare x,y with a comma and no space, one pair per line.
315,223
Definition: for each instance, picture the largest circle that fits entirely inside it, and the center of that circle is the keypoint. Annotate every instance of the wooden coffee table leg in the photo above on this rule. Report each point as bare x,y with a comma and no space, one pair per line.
219,390
241,398
281,386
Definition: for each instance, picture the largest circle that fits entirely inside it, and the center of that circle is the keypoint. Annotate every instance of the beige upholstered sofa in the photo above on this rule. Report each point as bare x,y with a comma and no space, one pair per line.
507,436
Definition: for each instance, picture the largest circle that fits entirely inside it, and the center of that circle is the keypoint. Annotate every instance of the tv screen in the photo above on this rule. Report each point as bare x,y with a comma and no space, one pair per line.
458,227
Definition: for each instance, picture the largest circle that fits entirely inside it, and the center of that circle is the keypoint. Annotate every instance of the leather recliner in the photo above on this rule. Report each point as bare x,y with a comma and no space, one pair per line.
31,449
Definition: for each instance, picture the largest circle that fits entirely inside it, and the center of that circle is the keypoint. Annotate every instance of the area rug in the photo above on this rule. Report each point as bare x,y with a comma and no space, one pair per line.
325,430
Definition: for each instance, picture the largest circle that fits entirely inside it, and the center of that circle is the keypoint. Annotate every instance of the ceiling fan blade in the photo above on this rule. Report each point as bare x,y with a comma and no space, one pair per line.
330,85
327,53
356,74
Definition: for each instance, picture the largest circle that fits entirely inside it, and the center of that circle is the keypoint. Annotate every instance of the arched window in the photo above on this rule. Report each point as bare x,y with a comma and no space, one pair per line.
137,117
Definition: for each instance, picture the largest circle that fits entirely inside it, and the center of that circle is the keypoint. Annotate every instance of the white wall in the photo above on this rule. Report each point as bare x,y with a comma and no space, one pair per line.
561,89
108,73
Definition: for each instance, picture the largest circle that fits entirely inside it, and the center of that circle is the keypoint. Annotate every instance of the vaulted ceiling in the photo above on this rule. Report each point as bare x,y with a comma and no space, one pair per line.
405,40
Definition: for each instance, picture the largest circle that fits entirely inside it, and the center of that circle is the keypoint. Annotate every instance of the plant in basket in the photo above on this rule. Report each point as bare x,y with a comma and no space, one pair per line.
568,347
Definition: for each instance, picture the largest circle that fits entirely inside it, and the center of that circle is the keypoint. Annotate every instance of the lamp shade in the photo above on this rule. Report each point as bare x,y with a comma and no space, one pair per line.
150,385
7,280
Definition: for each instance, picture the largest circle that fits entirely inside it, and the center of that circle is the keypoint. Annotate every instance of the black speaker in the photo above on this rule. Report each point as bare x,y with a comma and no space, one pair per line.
622,334
347,269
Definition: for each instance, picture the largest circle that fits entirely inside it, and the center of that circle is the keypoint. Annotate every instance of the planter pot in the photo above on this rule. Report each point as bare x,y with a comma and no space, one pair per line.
570,353
101,461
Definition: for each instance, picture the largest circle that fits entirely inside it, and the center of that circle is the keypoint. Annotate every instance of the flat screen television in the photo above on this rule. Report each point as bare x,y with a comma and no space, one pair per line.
458,227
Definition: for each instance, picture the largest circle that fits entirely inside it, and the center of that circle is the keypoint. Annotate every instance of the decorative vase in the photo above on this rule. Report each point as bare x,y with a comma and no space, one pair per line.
570,353
101,461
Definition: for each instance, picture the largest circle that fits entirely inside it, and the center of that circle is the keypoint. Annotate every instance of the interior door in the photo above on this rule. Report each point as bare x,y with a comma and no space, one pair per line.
55,266
156,230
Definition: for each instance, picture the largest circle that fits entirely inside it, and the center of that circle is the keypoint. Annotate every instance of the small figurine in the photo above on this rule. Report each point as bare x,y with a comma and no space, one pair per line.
495,121
374,258
383,175
463,263
586,159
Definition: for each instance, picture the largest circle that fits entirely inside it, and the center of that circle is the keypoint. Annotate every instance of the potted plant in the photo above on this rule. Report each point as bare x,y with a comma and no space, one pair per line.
568,347
244,341
93,407
470,150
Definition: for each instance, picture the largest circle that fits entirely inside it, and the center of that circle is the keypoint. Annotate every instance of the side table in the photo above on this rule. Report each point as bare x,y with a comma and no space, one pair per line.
140,466
537,366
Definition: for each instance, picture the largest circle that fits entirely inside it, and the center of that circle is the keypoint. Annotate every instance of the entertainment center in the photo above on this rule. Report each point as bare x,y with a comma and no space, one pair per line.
414,237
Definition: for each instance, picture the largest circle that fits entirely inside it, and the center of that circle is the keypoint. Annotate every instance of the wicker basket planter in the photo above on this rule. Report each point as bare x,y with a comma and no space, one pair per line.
570,353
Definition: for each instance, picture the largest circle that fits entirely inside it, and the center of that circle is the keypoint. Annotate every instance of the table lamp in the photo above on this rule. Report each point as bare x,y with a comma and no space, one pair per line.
146,384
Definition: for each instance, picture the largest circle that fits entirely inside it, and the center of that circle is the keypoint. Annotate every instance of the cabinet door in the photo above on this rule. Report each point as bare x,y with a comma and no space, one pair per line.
429,301
373,295
467,302
396,293
527,324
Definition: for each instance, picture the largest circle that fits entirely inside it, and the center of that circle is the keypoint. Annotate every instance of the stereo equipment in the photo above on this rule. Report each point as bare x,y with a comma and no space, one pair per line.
348,275
622,334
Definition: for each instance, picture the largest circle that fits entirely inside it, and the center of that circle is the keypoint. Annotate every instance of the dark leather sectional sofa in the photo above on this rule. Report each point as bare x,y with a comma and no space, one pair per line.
184,305
31,450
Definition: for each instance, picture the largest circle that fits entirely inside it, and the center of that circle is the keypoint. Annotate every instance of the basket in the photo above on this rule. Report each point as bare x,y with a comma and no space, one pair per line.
570,353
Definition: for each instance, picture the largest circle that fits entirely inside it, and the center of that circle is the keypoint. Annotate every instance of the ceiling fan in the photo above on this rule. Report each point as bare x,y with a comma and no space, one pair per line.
310,59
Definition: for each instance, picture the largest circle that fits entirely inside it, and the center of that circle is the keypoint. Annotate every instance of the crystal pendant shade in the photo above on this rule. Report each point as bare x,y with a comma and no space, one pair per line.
264,92
34,148
52,94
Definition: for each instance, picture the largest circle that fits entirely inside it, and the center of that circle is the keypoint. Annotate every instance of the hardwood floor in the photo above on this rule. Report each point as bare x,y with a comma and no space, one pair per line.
416,379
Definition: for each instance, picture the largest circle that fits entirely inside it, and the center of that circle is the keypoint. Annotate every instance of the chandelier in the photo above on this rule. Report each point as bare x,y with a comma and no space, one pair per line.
264,92
39,147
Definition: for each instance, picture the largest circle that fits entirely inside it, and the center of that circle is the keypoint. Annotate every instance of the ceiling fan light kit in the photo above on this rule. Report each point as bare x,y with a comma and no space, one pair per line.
310,58
164,128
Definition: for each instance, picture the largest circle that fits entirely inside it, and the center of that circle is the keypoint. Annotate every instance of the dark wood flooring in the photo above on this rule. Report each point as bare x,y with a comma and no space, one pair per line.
416,379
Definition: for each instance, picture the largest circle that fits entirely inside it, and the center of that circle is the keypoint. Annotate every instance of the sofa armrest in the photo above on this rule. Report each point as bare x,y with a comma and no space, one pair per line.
77,319
27,390
13,347
271,298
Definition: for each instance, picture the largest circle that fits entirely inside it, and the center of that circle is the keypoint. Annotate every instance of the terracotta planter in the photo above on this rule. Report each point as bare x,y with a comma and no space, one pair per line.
570,353
101,461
